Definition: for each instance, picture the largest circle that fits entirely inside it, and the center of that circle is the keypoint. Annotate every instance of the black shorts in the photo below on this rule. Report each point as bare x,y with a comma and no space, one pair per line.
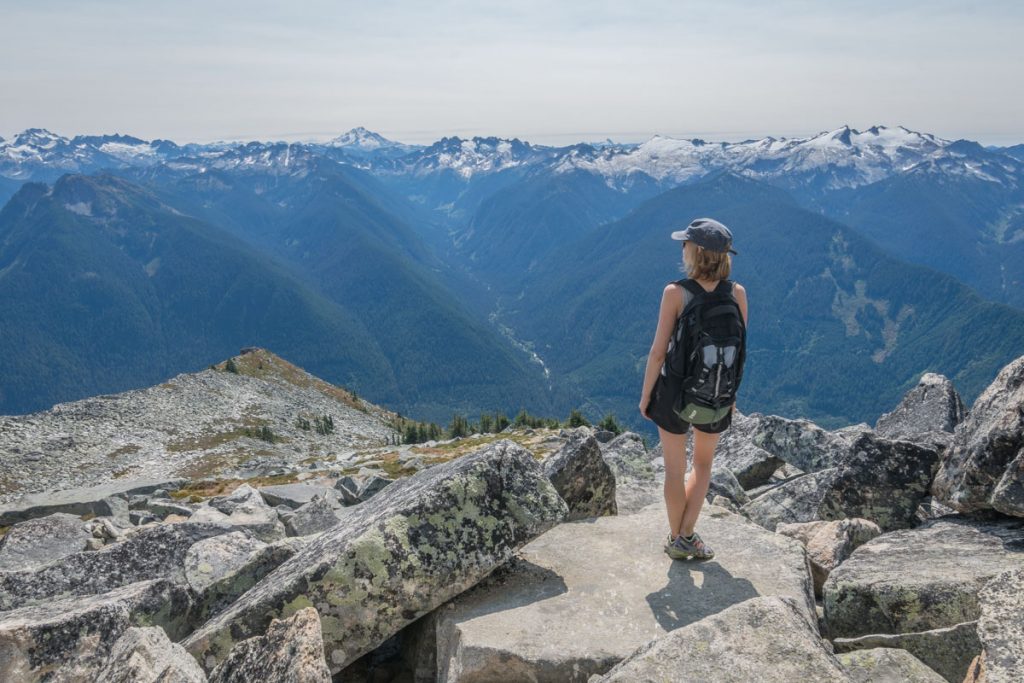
660,409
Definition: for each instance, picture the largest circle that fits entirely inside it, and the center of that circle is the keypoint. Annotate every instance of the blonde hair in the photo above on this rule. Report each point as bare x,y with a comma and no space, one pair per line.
708,265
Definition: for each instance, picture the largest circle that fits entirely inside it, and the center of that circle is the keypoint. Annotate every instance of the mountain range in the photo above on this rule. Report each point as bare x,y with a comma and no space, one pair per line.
486,273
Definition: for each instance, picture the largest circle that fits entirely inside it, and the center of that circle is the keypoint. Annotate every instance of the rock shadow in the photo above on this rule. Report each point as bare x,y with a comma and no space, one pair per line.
697,589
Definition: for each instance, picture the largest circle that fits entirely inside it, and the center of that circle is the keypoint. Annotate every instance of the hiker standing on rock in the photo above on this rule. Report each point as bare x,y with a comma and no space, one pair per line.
693,372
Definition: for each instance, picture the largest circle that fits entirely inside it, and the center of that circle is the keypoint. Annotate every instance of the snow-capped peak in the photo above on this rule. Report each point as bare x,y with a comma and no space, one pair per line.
363,139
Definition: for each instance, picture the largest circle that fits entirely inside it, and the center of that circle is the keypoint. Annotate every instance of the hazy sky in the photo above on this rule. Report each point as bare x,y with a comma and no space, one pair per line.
549,72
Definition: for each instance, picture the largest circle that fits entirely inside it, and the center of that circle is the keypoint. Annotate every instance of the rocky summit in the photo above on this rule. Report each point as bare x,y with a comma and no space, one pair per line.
251,522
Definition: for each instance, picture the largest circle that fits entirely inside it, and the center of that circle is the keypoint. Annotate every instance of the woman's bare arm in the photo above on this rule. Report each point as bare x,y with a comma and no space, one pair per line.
671,298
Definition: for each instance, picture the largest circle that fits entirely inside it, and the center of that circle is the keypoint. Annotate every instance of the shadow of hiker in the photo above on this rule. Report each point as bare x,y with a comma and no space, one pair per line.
696,589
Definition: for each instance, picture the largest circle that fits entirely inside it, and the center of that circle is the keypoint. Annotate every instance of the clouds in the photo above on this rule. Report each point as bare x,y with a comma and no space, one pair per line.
542,71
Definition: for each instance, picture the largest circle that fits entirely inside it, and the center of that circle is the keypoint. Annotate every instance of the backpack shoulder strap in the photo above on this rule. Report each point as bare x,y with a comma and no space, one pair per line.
686,297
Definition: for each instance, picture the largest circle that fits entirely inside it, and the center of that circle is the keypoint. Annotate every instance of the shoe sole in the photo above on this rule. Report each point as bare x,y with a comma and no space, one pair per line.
676,555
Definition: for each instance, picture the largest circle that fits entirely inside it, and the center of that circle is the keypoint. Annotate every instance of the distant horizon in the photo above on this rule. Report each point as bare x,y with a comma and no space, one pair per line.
424,137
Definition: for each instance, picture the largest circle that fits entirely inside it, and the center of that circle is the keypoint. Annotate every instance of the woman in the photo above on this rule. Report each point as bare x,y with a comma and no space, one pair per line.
706,247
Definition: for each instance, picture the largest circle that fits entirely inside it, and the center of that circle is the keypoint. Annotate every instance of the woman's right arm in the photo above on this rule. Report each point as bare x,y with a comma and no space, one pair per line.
671,297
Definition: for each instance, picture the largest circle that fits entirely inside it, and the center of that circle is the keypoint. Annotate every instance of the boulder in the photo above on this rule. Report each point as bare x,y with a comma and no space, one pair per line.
1001,626
798,442
158,552
750,464
320,514
628,457
291,650
877,479
886,665
69,639
348,488
93,500
36,542
829,543
414,545
582,478
932,406
984,466
947,651
372,485
221,569
920,579
244,509
548,616
766,639
724,483
295,495
146,655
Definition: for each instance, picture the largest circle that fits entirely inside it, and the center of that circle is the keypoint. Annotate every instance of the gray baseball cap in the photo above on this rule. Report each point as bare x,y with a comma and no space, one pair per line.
707,233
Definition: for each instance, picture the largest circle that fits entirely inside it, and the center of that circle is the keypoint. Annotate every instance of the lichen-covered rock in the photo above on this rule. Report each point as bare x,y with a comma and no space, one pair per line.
319,514
414,545
948,651
154,553
932,406
829,543
93,500
146,655
583,478
750,464
1001,626
294,495
550,615
212,559
36,542
920,579
69,639
724,483
218,575
984,466
291,650
628,457
348,488
886,665
798,442
877,479
766,639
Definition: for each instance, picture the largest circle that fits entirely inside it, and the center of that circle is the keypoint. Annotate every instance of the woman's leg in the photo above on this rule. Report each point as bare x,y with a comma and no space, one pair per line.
673,448
697,484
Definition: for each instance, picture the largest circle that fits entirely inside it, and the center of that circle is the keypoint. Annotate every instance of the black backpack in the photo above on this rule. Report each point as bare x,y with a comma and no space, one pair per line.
707,351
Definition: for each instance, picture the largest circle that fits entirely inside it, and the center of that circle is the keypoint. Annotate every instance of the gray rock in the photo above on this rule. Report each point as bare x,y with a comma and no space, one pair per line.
1001,626
320,514
154,553
751,465
162,507
416,544
604,436
984,466
348,488
877,479
766,639
146,655
947,651
933,405
920,579
582,478
245,509
36,542
291,650
70,639
212,559
93,500
829,543
372,485
628,457
294,495
550,616
886,665
219,575
798,442
723,483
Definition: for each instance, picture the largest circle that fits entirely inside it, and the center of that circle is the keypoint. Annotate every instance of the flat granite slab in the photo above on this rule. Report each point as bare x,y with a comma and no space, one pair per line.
582,596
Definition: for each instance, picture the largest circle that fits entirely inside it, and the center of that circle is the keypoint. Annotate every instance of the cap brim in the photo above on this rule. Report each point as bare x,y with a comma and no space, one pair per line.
680,235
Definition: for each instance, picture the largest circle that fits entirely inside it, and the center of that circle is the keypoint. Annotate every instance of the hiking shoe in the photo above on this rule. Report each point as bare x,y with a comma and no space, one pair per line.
681,549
